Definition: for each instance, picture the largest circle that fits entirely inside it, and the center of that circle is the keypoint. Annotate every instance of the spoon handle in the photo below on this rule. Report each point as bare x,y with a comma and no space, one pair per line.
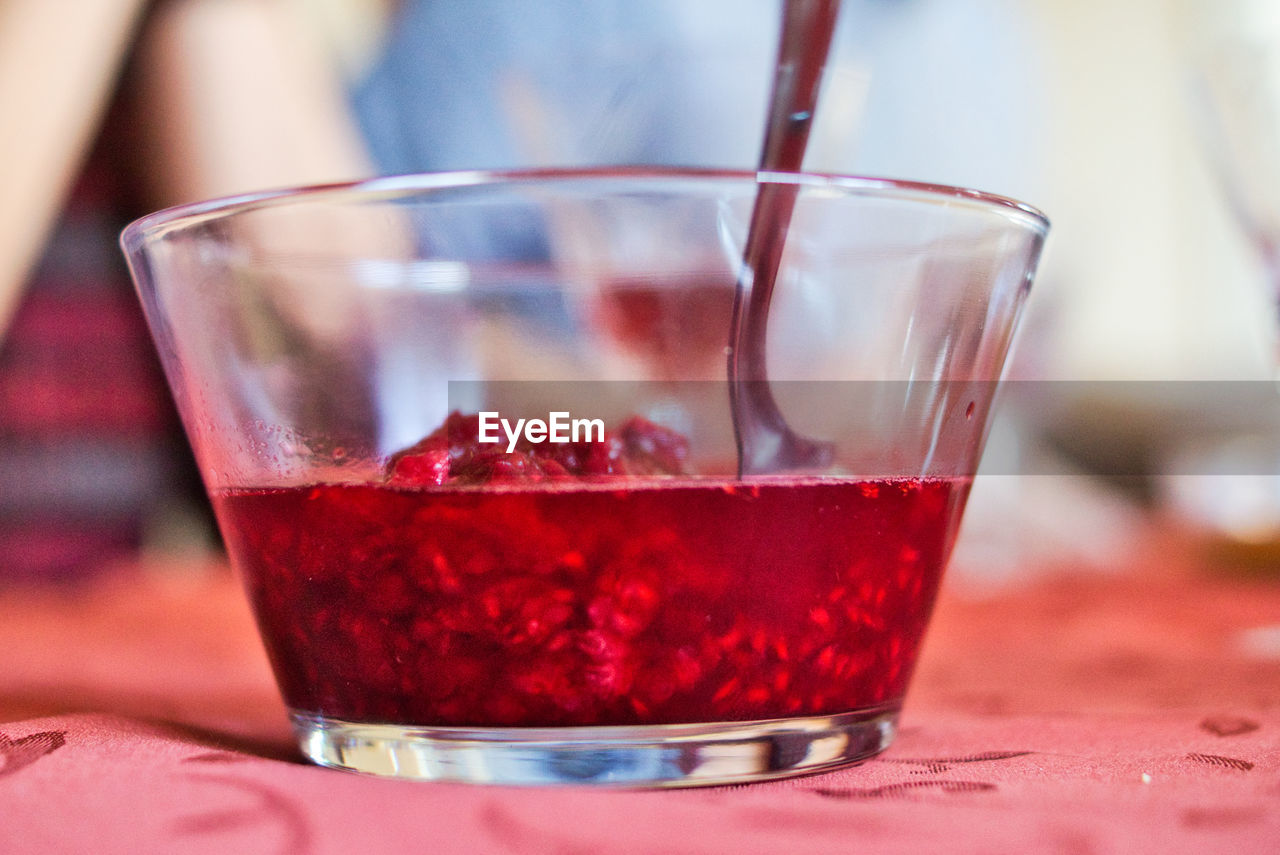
803,45
764,441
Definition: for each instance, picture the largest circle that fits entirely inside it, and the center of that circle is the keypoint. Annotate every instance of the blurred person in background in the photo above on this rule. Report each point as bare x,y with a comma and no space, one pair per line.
134,106
110,112
87,447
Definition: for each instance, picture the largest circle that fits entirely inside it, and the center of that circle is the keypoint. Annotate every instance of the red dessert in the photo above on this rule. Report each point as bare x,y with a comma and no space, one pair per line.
543,588
455,455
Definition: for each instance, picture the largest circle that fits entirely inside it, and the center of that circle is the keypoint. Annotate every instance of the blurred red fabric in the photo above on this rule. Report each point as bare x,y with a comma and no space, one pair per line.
89,441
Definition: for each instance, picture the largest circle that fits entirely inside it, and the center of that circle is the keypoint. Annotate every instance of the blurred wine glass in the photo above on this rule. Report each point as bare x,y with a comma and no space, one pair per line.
1229,486
1234,52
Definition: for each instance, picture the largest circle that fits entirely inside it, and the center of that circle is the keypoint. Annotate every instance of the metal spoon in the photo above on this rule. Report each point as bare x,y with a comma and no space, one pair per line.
765,442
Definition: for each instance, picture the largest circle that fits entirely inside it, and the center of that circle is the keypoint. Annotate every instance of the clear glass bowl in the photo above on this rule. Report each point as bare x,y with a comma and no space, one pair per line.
476,452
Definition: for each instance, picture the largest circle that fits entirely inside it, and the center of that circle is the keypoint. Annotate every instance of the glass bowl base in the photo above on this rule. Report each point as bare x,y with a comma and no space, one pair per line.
669,755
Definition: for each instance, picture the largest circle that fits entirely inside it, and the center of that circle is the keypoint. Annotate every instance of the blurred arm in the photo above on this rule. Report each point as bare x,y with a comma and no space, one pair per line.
241,95
58,63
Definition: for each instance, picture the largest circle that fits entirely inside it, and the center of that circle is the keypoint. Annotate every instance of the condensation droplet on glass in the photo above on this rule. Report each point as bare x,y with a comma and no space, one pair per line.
968,411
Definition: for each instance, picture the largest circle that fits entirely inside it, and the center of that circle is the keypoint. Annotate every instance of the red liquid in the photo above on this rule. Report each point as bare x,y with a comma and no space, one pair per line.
564,603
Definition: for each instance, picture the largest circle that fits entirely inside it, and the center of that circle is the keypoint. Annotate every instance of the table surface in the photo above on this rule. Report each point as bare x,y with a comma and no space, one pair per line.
1126,709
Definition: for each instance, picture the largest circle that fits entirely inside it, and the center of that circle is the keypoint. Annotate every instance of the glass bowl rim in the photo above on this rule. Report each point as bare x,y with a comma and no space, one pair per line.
141,230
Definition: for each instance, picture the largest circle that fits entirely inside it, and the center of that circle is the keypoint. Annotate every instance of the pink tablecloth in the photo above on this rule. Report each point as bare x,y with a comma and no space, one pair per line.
1133,712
